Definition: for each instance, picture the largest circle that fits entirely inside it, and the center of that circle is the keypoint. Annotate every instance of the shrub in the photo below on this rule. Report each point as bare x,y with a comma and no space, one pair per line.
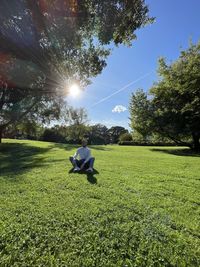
125,137
51,135
142,143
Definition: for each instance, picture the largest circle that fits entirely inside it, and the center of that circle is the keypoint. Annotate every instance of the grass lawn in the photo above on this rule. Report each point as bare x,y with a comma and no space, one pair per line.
140,208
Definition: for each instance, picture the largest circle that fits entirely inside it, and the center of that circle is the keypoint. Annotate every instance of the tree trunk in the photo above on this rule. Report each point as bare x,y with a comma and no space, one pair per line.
1,131
196,143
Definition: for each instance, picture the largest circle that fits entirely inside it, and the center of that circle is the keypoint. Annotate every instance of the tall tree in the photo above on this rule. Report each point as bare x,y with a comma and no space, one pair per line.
173,109
176,98
140,114
46,45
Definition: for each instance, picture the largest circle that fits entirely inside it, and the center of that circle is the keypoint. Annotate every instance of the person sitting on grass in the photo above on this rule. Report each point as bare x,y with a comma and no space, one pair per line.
85,161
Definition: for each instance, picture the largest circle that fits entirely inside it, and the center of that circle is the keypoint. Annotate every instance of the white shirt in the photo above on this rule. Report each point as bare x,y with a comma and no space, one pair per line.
83,153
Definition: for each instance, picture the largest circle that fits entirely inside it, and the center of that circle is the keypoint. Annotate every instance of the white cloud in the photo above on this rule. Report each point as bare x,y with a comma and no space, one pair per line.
119,109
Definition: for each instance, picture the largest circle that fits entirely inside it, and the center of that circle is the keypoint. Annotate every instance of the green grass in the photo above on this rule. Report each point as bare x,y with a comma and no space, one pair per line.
140,208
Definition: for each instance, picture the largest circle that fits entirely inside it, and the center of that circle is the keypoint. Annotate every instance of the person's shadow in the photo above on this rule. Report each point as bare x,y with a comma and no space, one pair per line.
90,175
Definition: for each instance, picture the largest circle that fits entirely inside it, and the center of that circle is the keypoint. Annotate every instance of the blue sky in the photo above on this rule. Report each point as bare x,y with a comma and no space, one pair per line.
177,21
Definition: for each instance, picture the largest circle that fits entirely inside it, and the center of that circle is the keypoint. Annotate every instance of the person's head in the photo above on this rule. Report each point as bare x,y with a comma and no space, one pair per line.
84,142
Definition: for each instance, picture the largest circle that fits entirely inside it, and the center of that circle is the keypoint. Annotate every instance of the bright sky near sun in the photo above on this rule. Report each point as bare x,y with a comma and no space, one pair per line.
107,98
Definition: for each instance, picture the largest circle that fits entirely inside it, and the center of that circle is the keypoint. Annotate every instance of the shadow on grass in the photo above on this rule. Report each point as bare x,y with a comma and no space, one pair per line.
90,176
67,147
17,158
177,152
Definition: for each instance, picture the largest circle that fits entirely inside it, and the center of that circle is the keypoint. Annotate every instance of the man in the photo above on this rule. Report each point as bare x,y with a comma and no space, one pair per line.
85,161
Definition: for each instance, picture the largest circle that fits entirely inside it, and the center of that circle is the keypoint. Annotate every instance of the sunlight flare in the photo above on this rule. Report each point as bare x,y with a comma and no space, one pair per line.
74,90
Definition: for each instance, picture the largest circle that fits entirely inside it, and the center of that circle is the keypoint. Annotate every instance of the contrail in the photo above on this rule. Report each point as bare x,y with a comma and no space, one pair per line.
122,89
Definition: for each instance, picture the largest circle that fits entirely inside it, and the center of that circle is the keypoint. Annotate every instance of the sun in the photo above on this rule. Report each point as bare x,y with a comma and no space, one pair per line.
74,90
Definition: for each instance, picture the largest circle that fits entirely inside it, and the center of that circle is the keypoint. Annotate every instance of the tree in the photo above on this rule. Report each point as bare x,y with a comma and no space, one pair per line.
51,135
25,129
115,133
173,109
76,116
140,114
77,129
98,134
76,132
125,137
73,128
176,98
47,45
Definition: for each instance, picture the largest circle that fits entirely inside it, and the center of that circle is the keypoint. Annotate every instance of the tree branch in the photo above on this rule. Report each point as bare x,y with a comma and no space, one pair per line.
21,116
177,141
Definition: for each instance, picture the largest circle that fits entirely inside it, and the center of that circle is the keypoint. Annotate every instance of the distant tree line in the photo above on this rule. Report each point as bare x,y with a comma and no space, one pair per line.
73,129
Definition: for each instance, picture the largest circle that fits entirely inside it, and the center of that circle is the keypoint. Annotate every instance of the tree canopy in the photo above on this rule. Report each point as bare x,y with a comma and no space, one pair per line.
46,45
173,108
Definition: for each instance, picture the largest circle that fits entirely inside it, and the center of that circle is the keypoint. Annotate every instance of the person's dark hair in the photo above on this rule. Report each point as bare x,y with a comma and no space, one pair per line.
84,142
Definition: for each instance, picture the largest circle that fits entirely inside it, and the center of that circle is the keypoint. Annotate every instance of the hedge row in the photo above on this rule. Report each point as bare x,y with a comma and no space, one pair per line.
136,143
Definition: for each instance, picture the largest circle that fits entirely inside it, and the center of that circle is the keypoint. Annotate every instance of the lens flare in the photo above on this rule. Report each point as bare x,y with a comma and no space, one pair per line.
74,90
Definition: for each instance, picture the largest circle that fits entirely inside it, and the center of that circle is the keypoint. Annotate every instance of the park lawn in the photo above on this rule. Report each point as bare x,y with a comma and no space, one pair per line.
140,208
